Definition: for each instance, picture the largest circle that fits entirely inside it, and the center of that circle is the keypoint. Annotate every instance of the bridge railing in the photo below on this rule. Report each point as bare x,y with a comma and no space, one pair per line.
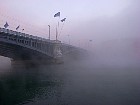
41,44
3,30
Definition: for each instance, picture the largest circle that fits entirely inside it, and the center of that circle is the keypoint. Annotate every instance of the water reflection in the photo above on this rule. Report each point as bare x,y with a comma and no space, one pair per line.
75,83
21,85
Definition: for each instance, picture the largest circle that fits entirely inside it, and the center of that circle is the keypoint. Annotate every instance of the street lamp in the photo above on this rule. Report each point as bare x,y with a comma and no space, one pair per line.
89,44
49,32
69,39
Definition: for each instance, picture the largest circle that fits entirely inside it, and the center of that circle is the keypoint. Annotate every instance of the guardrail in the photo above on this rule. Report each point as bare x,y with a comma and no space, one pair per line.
3,30
37,43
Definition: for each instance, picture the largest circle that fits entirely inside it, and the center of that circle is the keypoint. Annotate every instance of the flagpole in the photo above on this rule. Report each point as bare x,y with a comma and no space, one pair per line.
57,29
56,32
57,25
61,28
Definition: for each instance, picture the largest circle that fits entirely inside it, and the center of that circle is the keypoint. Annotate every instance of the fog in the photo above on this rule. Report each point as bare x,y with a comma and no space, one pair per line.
109,30
97,20
116,39
108,74
115,36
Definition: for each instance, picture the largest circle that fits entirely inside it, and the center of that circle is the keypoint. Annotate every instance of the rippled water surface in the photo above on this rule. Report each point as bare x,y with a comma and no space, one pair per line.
70,84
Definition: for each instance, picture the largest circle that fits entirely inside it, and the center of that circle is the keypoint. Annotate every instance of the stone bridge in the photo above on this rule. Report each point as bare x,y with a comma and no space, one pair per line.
25,48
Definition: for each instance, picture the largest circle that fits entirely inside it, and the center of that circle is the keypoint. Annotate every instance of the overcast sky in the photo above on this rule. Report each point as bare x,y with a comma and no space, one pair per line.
99,20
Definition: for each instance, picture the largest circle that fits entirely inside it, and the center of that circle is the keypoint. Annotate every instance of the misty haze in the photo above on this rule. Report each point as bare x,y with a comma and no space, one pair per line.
69,52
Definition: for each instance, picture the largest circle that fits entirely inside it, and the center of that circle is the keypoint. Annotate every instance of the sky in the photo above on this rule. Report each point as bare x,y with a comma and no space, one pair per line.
96,20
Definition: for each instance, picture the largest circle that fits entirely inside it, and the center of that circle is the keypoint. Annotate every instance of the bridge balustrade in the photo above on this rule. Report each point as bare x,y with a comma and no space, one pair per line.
14,33
10,32
1,29
42,44
31,36
26,35
17,33
5,31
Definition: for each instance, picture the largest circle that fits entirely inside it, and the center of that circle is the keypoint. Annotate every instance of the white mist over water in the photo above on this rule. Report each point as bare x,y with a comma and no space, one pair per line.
117,54
105,77
109,75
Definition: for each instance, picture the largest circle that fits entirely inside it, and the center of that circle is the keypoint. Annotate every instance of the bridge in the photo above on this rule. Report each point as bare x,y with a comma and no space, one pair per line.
21,47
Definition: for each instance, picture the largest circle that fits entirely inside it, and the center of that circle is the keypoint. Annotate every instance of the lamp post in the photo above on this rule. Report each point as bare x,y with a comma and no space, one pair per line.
89,45
49,32
69,39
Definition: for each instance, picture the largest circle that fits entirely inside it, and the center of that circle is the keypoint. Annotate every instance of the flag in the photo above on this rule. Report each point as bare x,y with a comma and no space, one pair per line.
63,20
57,14
6,25
17,27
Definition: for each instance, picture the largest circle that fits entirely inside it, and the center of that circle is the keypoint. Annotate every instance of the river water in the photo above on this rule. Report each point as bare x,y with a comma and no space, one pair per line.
73,83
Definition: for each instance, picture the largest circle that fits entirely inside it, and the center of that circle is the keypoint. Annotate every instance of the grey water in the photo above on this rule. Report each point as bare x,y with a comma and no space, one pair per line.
72,83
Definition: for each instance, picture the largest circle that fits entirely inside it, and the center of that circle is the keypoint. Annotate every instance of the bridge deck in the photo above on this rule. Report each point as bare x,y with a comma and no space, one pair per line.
19,45
39,44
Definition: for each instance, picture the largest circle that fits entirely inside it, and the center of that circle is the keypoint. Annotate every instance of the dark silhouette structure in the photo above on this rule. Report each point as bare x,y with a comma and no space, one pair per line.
23,47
